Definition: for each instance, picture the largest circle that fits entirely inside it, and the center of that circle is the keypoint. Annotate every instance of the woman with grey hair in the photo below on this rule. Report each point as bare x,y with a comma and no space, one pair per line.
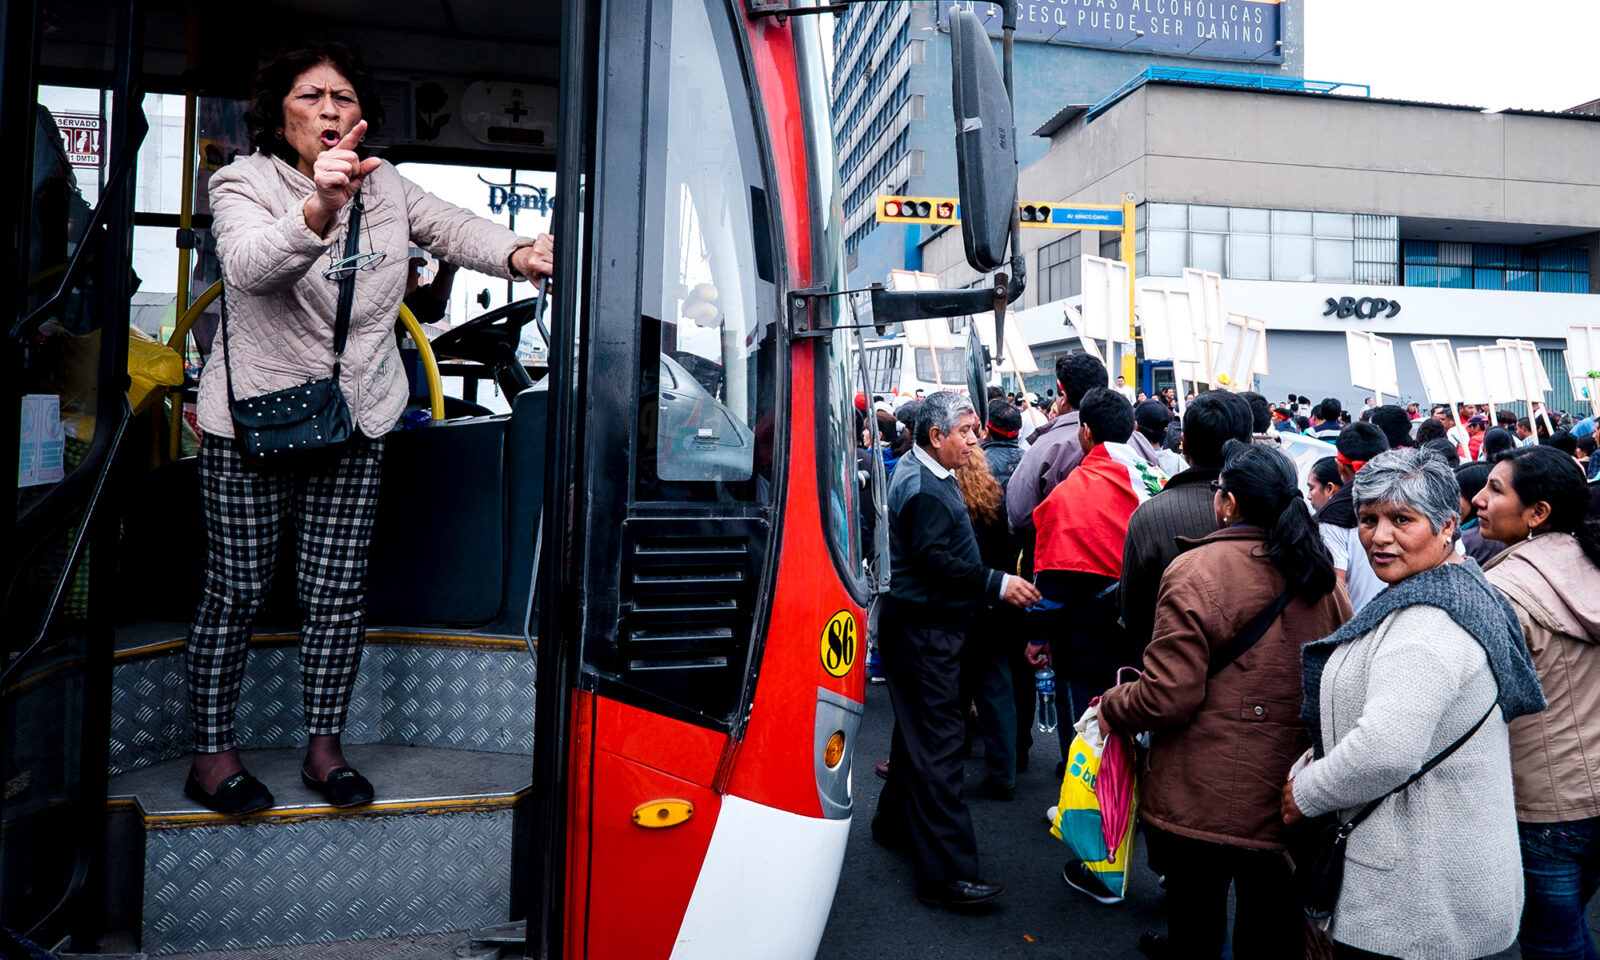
1414,677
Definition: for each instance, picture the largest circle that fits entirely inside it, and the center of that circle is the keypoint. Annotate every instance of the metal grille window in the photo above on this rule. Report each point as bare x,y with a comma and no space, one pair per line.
1059,274
1495,266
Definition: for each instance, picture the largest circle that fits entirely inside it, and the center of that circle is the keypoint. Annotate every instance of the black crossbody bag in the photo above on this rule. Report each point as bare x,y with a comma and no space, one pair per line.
312,416
1323,875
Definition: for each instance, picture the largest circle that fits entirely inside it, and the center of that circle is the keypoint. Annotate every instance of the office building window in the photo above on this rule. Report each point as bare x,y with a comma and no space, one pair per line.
1495,266
1248,244
1060,273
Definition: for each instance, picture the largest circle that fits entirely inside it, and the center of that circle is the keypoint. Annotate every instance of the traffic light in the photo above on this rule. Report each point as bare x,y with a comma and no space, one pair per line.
940,211
1035,212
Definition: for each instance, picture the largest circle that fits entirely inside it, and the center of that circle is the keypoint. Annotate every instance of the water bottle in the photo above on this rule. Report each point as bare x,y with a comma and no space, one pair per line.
1044,707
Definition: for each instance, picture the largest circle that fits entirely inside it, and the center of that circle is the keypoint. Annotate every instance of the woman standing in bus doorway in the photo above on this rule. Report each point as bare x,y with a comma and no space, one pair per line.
280,217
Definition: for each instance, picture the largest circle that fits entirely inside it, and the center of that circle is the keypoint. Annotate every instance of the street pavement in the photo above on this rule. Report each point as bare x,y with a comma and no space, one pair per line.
876,915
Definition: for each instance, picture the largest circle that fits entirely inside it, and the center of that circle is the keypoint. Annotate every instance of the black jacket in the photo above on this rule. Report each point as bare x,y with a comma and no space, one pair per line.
1003,457
1183,508
936,570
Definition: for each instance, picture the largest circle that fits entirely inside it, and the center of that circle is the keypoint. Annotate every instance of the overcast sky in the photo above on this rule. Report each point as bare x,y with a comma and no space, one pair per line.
1489,53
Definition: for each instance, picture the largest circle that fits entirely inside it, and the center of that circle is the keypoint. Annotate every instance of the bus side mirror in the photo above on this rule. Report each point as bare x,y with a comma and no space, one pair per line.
986,148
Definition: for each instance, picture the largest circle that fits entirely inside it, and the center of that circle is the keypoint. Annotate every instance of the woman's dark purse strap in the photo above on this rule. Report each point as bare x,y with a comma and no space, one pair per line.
1322,874
1438,758
347,300
1246,638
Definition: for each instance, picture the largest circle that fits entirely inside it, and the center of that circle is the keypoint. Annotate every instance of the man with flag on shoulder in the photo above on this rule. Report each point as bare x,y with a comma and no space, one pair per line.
1082,527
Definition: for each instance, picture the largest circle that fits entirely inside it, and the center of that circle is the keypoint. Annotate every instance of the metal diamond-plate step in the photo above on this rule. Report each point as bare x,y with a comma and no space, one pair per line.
434,854
468,697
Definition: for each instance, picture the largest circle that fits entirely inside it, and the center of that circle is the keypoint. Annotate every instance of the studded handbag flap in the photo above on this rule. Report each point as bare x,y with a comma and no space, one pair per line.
308,417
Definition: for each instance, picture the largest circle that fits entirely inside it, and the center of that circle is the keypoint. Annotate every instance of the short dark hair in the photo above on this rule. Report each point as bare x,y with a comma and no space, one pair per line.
1444,449
1326,470
1260,411
995,393
1361,441
1497,441
1430,429
1005,415
1108,415
1210,421
1445,409
1392,420
1588,444
1302,423
277,78
1078,374
1564,441
1329,409
1507,418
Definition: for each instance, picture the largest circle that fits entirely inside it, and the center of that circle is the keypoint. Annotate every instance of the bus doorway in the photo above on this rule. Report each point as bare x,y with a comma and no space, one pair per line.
611,538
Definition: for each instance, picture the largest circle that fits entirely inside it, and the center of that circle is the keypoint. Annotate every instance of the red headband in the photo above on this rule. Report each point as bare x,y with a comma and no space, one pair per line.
1354,465
1008,434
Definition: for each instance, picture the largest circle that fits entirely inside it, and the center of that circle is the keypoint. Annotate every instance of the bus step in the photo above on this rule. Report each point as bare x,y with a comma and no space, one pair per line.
433,854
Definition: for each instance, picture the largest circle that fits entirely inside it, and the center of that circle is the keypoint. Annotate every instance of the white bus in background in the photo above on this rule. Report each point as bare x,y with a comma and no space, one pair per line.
930,355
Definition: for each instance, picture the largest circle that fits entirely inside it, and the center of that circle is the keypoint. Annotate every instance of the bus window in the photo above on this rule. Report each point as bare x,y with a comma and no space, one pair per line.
923,357
883,369
952,367
708,274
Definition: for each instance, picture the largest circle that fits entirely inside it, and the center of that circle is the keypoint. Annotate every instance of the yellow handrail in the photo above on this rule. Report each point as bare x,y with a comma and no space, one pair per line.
180,330
430,364
180,334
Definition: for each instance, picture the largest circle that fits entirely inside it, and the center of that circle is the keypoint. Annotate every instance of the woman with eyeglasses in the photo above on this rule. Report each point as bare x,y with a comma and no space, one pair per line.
1220,693
302,216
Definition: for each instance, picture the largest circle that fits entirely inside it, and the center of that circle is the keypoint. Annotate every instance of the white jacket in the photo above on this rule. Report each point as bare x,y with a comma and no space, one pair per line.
1436,872
281,310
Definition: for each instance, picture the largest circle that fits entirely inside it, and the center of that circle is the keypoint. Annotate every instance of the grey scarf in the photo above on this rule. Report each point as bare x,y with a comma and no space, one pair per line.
1462,591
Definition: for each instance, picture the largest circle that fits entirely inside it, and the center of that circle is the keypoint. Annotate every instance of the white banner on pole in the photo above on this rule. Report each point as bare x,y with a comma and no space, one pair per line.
1441,375
1490,376
1243,342
1527,355
1205,298
1105,300
1372,363
1583,358
1167,319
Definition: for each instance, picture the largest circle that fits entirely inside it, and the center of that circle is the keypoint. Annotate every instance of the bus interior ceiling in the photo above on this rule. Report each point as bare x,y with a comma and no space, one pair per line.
460,501
463,39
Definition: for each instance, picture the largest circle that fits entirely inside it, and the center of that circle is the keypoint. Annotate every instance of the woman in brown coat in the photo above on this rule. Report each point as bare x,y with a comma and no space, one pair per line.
1226,718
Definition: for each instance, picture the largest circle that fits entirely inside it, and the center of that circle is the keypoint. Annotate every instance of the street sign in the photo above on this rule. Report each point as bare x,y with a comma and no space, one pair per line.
946,211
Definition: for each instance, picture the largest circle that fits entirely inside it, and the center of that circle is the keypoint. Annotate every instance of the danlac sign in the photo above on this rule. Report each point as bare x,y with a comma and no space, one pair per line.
1247,30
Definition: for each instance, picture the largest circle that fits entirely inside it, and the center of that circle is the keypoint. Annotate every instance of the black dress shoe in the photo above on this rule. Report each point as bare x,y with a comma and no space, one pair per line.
237,795
1155,946
343,788
959,893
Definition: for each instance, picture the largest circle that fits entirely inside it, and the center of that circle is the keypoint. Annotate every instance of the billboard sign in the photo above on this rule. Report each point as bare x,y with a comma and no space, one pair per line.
1240,30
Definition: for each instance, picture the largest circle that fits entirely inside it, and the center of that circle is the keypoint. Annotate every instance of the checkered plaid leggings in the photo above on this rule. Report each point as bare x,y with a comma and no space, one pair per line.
333,502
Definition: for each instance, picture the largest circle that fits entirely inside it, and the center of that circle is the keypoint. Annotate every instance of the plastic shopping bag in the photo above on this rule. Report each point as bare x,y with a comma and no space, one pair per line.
1099,800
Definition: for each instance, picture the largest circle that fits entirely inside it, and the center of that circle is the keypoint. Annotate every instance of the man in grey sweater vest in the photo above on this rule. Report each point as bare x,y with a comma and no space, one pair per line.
937,583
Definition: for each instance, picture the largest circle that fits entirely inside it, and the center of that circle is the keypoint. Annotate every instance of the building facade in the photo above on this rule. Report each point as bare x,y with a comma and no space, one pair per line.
892,114
1316,208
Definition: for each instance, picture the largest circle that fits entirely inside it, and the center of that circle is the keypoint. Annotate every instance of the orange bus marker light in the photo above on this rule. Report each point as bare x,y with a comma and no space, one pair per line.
834,751
662,813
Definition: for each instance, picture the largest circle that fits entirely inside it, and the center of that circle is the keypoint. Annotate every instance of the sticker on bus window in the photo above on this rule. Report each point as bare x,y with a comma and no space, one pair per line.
839,644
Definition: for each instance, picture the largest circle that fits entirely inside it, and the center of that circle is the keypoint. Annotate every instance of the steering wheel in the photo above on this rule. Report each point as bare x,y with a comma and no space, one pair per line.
492,340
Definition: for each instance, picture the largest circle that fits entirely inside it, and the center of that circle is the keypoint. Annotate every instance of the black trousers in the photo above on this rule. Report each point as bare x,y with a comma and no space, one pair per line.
921,806
986,681
1267,923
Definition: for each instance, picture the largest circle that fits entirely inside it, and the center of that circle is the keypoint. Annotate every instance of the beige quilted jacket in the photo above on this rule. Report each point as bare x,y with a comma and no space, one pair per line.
281,310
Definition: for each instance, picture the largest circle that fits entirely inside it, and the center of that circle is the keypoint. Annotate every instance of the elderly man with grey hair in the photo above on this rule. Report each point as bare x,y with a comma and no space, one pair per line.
1408,705
937,584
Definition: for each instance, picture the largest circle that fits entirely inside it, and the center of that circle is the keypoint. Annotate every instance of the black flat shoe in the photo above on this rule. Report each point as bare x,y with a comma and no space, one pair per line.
343,788
959,894
237,795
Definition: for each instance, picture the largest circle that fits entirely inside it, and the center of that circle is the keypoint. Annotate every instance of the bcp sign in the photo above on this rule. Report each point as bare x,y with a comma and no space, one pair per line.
1366,308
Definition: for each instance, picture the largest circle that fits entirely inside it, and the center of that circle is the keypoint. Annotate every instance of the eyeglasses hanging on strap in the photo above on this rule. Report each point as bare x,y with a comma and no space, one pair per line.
342,268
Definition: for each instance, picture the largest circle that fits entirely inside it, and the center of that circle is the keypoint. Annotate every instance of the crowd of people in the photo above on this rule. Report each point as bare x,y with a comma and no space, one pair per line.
1400,643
